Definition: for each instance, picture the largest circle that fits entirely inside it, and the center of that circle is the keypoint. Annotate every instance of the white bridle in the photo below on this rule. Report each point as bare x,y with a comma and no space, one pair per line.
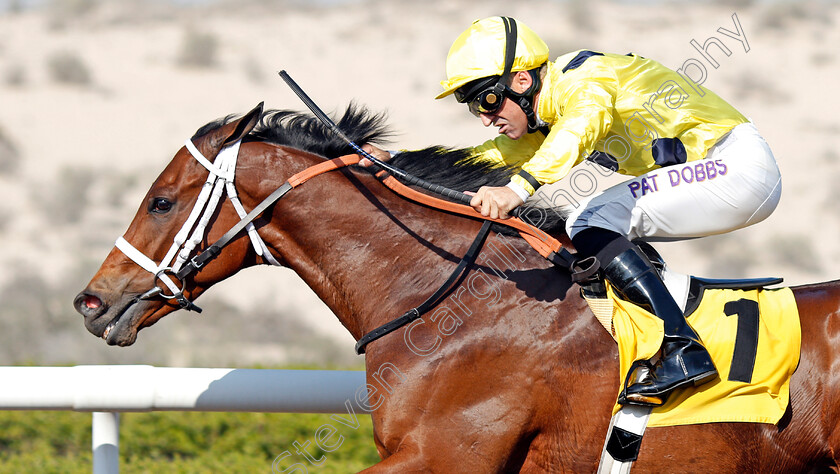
220,179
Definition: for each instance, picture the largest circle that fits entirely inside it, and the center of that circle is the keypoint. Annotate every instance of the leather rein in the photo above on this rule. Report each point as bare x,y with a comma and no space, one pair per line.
183,267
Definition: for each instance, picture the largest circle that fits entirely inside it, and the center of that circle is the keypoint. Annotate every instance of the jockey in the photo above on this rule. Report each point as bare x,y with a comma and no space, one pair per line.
700,167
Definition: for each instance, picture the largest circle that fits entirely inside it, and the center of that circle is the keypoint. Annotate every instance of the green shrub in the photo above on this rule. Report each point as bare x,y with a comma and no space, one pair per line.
44,441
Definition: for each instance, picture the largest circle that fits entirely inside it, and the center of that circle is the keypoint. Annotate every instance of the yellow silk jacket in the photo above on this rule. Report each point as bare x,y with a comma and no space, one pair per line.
639,114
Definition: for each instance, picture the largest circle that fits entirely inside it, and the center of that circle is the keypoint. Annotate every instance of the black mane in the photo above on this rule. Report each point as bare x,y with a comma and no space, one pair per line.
450,167
305,132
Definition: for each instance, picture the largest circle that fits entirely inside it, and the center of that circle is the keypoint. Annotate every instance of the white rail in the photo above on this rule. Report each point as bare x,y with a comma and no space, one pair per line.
109,389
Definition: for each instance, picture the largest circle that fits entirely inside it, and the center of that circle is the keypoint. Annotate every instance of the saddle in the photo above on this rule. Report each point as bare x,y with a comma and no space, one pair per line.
751,331
753,336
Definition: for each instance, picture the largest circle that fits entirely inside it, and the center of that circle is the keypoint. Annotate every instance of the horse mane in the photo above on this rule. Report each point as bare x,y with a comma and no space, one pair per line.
454,168
459,169
307,133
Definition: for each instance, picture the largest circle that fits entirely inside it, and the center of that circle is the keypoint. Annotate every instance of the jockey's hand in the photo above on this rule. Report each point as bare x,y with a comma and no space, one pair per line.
377,153
495,202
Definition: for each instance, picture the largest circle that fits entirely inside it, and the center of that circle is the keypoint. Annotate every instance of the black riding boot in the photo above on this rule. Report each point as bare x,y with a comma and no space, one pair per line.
683,358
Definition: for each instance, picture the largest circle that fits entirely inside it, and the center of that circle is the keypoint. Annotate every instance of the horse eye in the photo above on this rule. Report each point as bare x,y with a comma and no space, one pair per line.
160,205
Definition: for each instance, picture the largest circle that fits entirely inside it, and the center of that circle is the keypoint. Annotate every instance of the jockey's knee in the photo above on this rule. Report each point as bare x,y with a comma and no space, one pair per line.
592,241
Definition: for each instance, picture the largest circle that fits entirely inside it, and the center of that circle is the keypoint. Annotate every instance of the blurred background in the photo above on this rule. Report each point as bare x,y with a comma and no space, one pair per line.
96,97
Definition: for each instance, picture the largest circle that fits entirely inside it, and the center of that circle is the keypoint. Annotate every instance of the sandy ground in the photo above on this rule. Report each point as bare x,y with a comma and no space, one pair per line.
87,152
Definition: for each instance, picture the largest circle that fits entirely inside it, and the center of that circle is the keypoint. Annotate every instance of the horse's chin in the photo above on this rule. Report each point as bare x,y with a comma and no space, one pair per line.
122,330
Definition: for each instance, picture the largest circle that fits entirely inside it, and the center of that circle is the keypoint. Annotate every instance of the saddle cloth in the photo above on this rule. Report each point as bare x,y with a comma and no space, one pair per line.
753,337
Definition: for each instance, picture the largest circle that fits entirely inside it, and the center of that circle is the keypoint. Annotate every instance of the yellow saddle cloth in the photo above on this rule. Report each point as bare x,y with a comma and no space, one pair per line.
754,339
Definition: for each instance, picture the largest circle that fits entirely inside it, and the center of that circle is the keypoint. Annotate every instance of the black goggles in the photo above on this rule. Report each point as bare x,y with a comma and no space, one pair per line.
482,96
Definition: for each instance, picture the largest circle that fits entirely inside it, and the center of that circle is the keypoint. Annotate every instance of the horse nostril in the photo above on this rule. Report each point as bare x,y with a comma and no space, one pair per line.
87,304
91,302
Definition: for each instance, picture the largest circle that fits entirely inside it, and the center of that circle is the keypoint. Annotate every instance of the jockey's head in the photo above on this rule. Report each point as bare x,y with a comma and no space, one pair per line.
483,65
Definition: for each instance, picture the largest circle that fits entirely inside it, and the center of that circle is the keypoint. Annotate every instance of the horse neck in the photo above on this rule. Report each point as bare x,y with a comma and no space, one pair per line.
367,253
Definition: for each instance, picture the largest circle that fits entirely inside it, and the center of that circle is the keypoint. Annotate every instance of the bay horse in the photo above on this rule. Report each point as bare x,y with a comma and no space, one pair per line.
511,373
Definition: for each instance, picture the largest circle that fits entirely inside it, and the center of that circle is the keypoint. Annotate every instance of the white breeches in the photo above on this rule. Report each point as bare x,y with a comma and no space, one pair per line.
736,185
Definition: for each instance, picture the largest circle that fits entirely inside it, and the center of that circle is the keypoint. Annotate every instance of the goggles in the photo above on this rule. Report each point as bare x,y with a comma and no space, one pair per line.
486,95
482,96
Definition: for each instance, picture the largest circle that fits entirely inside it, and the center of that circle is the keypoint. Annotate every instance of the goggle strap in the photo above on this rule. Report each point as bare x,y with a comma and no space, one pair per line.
467,93
525,100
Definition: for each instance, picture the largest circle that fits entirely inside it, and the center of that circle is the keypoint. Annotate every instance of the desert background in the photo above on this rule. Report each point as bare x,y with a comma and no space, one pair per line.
96,97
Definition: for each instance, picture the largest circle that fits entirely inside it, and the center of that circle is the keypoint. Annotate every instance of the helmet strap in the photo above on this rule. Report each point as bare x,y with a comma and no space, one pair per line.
510,49
511,35
525,100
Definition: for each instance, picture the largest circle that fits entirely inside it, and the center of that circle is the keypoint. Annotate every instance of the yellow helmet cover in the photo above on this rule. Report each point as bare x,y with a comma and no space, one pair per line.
480,52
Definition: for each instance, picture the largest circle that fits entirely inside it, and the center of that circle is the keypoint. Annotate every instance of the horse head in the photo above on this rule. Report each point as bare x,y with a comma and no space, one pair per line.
142,279
129,291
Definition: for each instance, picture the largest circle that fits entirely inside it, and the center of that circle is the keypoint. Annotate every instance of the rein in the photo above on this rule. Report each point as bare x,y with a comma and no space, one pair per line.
221,178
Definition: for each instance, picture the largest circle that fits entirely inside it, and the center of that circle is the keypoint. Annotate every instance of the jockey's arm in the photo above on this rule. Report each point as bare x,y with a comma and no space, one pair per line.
586,119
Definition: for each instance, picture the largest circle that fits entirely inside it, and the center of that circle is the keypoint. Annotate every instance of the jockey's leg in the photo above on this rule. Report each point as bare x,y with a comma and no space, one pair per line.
737,185
683,360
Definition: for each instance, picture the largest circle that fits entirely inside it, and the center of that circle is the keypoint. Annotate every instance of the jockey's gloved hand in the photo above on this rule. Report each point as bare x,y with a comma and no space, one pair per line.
377,153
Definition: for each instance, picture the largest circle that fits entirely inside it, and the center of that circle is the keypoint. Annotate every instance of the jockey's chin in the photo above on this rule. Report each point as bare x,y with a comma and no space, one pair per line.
510,120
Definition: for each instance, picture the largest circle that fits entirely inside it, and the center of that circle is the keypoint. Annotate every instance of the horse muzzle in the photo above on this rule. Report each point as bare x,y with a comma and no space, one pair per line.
116,324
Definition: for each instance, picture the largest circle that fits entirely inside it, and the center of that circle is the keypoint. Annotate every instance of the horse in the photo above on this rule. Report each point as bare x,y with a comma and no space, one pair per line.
511,373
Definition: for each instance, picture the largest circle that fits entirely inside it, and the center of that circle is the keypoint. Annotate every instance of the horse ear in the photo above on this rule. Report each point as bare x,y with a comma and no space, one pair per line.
245,125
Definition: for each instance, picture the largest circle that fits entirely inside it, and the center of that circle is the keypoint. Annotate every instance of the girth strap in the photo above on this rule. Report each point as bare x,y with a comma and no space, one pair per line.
431,301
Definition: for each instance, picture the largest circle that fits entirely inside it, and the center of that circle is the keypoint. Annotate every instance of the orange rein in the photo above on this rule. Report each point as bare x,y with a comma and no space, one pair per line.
539,240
